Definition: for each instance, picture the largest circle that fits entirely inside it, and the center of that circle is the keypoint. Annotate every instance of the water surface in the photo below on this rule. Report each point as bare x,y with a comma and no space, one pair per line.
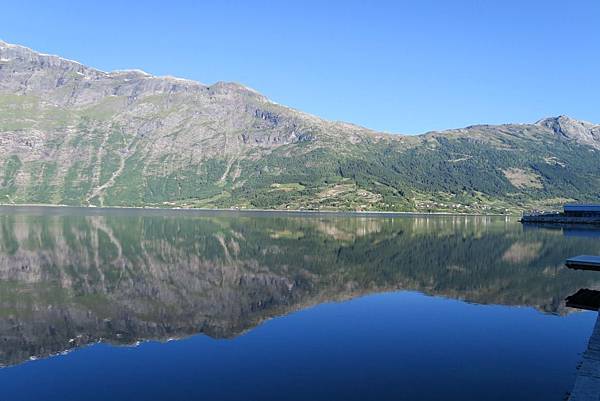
282,306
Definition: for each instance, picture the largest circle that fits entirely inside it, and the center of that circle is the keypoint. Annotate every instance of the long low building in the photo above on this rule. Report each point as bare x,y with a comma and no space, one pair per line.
573,213
581,210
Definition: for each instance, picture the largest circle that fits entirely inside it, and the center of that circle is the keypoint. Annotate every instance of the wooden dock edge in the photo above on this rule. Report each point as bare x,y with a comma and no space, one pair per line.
587,383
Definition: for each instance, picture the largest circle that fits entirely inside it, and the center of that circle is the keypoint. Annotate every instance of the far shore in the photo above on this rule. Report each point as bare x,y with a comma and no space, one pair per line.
153,209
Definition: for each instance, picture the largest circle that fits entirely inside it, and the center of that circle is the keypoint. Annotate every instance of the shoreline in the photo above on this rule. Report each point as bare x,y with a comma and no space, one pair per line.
154,209
560,220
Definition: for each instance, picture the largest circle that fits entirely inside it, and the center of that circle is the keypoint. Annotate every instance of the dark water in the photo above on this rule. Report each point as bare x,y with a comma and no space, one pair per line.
278,307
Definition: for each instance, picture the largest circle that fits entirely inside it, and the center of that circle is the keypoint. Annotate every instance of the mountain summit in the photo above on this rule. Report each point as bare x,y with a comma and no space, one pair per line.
71,134
568,128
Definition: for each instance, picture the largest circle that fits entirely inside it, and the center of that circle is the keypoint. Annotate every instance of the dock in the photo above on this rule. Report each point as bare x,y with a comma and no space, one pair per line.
560,219
571,214
584,262
587,383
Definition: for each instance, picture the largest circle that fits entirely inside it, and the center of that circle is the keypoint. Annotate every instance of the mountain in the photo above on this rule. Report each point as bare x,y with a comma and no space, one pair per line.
71,134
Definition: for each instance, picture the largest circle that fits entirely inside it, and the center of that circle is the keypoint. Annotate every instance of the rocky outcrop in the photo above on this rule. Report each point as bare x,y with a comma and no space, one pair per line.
567,128
69,83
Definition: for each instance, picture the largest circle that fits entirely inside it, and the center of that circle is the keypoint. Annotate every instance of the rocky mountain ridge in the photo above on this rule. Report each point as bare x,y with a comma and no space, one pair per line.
579,131
72,134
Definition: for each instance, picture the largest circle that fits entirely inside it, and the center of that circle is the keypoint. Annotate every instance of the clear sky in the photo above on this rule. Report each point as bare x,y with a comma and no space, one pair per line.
397,66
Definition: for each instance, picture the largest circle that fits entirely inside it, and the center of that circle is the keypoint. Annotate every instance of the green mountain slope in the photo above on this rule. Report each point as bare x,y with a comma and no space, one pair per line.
74,135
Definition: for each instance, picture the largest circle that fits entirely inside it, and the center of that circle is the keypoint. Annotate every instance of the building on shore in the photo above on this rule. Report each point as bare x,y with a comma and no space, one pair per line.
581,210
573,213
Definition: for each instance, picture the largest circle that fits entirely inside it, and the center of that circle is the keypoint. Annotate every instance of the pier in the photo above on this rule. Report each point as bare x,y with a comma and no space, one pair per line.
587,383
571,214
584,262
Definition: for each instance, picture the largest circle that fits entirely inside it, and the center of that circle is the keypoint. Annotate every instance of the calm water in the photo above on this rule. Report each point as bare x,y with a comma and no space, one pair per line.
278,307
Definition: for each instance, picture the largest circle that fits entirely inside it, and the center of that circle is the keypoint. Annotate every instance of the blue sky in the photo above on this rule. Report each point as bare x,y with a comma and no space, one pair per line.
394,66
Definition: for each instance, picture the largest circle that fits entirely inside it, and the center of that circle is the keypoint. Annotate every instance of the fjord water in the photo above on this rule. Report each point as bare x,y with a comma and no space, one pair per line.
267,306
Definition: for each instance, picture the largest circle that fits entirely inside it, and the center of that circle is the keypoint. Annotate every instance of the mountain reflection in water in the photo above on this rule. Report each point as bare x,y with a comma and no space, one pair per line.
73,277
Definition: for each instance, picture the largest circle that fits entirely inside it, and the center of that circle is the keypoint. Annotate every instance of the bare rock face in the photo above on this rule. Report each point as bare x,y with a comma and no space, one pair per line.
133,94
574,130
66,82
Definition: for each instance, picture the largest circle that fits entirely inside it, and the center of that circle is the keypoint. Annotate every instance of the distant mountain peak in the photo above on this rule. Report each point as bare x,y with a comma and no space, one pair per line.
565,121
571,129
